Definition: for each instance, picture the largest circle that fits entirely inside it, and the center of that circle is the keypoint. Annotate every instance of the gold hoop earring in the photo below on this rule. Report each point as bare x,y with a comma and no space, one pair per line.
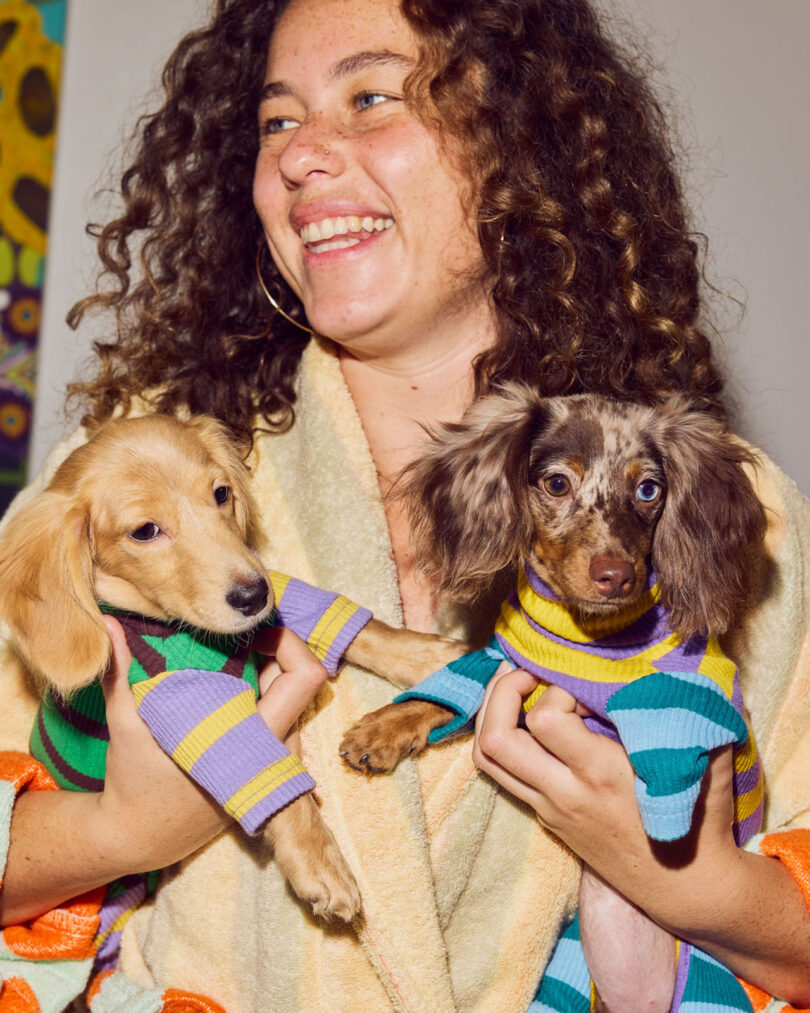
272,301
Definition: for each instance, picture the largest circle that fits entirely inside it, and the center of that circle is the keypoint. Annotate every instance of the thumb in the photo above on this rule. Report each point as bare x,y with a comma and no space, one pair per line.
116,679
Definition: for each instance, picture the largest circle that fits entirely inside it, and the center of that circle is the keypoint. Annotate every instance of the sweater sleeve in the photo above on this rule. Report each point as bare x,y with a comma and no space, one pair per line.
459,686
668,723
209,725
326,621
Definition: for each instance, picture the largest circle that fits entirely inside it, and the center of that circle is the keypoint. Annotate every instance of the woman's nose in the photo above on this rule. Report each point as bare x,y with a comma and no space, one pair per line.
314,147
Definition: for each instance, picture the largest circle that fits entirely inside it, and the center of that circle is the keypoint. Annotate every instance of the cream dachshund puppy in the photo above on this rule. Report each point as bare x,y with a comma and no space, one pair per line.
154,517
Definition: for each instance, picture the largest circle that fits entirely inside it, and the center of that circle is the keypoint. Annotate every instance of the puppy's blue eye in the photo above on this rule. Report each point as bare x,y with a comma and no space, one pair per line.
222,494
648,491
145,533
557,485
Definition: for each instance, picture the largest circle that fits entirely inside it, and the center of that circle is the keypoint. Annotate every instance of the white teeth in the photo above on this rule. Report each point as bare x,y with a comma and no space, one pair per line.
336,244
316,232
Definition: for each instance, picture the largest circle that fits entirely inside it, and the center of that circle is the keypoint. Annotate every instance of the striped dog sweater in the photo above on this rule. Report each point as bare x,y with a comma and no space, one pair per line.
669,702
197,693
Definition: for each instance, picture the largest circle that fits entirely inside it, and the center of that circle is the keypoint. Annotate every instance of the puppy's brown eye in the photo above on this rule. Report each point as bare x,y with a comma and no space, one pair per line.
145,533
648,491
557,485
222,494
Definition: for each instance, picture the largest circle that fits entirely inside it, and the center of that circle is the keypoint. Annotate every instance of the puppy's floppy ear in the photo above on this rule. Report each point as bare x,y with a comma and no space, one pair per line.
46,593
218,443
708,540
468,495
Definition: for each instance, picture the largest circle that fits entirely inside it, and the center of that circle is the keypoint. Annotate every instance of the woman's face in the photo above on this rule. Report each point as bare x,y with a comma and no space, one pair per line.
361,204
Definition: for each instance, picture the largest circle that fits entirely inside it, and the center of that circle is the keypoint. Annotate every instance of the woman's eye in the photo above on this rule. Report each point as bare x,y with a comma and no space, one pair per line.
648,491
367,99
222,494
557,485
277,124
145,533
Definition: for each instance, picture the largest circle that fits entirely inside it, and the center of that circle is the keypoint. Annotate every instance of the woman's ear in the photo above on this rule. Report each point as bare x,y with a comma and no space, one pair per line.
46,593
709,537
468,496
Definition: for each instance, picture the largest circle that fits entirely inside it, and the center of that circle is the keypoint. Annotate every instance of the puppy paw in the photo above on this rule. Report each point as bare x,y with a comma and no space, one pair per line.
308,856
377,742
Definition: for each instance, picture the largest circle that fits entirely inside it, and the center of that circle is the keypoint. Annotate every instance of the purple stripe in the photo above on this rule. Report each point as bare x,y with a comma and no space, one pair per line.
81,722
685,657
177,705
681,974
234,758
745,829
737,697
593,694
302,605
82,781
108,953
747,780
269,805
112,908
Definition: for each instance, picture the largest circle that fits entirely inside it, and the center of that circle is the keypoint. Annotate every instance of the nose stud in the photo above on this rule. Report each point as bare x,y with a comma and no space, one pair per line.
326,151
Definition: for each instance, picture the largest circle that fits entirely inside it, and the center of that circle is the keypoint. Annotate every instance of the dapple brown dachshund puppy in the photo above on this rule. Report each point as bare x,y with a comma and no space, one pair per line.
594,494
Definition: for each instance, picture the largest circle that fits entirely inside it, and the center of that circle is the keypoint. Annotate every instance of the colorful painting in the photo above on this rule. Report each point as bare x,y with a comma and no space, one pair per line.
31,38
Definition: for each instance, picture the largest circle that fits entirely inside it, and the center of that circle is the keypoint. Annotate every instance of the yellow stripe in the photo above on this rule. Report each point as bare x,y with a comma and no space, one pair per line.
717,667
140,689
329,625
534,696
748,803
278,582
548,654
119,923
265,782
213,727
569,623
745,757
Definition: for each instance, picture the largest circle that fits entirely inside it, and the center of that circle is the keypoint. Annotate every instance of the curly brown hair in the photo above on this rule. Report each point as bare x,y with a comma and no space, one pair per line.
594,272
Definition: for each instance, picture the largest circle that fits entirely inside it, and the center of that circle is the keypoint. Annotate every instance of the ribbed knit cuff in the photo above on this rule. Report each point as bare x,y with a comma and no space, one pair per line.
208,723
459,686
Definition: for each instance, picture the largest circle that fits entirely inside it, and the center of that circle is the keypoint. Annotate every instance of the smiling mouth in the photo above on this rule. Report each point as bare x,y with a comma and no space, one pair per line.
341,233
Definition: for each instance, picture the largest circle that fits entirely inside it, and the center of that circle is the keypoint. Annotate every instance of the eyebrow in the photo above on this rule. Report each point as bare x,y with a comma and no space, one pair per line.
345,68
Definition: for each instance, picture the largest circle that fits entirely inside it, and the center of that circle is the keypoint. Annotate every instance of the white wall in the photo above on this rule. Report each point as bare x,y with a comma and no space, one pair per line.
741,76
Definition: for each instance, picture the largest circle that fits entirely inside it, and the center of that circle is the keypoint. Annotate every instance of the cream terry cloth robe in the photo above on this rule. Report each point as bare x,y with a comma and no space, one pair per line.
464,892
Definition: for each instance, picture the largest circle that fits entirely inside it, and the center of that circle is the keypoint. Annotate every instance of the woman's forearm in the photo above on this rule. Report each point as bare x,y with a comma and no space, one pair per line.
65,843
744,909
56,852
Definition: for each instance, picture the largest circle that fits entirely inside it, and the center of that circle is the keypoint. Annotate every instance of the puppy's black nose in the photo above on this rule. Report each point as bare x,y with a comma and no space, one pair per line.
248,597
614,578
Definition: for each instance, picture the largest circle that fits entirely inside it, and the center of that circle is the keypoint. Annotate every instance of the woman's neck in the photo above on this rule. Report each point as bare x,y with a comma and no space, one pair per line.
396,398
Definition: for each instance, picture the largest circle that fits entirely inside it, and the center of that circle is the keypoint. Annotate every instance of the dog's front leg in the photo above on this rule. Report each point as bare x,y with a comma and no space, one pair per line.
378,741
308,856
402,656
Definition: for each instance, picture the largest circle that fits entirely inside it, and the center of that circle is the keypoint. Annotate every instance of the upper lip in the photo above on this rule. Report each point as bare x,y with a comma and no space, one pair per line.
316,211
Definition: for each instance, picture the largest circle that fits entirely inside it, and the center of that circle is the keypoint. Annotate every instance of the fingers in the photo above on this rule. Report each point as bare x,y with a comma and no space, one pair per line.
509,754
289,683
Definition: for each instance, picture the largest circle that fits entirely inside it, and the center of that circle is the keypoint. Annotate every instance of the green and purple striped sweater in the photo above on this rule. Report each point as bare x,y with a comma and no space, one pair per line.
668,702
197,693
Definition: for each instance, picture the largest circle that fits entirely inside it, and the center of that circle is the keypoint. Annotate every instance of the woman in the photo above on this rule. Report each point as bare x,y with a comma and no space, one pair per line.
446,194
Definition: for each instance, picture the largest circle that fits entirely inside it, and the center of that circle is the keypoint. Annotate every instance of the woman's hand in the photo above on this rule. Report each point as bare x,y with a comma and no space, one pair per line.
743,908
150,813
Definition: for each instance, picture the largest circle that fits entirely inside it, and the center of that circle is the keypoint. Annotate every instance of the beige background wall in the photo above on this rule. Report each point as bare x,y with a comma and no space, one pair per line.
740,77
